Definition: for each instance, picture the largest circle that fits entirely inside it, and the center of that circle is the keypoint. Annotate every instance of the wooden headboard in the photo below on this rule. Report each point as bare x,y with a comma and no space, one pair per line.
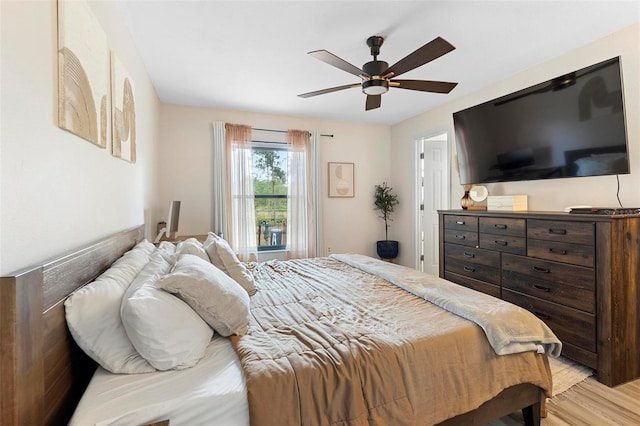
43,373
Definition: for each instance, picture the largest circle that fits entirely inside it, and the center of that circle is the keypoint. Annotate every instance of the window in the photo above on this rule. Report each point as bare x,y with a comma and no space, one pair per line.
270,192
271,179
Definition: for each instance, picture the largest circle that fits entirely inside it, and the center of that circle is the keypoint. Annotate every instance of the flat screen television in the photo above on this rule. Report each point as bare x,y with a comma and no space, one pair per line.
572,125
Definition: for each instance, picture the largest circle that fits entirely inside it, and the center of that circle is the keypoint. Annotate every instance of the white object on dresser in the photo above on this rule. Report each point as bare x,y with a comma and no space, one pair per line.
568,209
478,193
510,203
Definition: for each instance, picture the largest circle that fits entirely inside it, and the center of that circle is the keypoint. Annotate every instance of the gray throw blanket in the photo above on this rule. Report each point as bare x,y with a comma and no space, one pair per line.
509,328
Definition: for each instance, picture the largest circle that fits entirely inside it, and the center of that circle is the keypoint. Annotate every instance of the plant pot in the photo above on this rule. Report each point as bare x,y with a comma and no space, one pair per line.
387,249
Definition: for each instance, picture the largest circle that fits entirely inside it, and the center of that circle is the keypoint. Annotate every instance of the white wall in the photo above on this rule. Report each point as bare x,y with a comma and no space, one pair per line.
547,195
57,191
350,224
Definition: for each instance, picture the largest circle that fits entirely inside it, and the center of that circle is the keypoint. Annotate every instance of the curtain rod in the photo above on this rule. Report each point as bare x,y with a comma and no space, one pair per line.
283,131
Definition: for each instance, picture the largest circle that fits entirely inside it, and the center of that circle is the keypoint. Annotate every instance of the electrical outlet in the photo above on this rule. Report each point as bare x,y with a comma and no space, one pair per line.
328,249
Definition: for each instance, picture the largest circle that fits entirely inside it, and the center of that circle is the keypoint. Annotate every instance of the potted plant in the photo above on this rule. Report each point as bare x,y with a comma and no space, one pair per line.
384,200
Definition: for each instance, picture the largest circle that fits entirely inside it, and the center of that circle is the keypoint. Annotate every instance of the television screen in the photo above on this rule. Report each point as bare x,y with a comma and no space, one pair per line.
572,125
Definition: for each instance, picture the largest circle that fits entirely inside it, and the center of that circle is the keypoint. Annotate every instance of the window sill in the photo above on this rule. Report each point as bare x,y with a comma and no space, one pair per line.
265,255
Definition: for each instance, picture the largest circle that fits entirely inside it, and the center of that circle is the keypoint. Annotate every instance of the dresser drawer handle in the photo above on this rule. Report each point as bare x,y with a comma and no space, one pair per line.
459,222
558,231
469,269
541,288
500,242
562,252
543,270
500,226
460,237
541,315
467,254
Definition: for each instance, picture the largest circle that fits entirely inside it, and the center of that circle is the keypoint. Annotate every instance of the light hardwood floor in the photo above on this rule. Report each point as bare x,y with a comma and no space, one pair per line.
590,403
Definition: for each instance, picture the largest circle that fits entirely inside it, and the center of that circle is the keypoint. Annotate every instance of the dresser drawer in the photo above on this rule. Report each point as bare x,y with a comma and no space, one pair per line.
481,286
456,236
471,255
545,270
576,296
504,243
563,231
503,226
570,325
463,223
577,254
473,270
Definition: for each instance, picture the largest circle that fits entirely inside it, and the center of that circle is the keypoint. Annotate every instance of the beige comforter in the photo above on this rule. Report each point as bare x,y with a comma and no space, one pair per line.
330,344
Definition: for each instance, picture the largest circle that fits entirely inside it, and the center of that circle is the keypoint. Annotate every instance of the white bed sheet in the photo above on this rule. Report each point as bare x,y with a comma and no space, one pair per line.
211,393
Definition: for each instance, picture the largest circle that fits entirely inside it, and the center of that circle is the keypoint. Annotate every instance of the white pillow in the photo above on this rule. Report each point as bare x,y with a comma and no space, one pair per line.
217,298
162,328
167,247
93,315
223,257
123,269
192,246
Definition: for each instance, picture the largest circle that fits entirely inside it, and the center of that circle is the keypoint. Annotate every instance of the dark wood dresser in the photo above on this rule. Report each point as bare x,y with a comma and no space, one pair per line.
579,273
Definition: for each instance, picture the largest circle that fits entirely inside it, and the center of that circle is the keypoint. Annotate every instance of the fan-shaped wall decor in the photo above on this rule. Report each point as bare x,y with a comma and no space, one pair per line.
83,73
123,114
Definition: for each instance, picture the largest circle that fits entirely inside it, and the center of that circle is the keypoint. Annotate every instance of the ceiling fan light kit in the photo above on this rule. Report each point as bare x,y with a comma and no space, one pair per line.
376,75
375,87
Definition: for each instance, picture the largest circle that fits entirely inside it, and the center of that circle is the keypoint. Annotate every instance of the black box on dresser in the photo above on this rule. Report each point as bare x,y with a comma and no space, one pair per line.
579,273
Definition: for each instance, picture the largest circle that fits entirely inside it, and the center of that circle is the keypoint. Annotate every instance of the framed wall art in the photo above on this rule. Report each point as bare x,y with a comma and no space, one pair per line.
341,180
83,73
123,113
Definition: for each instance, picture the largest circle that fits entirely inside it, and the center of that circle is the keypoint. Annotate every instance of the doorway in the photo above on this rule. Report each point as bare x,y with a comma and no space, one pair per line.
433,194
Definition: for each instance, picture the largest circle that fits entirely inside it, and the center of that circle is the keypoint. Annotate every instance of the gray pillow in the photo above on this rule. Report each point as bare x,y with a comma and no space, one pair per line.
219,300
223,257
192,246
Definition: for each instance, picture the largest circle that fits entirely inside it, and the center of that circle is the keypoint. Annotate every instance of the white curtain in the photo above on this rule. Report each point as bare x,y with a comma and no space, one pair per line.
233,197
219,220
315,194
302,201
240,198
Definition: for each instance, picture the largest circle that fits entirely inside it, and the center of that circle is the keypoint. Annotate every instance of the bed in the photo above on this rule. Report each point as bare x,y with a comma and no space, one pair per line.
45,374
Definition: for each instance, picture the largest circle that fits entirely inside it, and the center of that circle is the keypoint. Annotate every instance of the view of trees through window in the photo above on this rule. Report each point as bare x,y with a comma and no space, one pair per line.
270,190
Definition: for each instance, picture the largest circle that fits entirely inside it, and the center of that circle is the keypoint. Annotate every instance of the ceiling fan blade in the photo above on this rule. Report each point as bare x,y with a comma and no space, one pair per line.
332,59
373,102
331,89
424,85
427,53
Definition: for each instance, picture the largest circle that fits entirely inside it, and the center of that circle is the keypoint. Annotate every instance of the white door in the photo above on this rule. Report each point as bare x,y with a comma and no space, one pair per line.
433,195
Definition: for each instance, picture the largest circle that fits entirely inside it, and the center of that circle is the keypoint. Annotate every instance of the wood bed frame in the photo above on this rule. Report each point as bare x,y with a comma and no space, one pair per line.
44,373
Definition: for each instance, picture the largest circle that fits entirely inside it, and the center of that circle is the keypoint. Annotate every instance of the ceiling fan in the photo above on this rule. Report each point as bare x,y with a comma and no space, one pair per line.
377,76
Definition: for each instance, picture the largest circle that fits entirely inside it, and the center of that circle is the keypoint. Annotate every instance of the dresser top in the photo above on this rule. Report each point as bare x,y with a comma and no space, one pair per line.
531,214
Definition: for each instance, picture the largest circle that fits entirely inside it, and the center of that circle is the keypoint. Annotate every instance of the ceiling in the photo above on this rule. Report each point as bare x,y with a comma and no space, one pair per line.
252,55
